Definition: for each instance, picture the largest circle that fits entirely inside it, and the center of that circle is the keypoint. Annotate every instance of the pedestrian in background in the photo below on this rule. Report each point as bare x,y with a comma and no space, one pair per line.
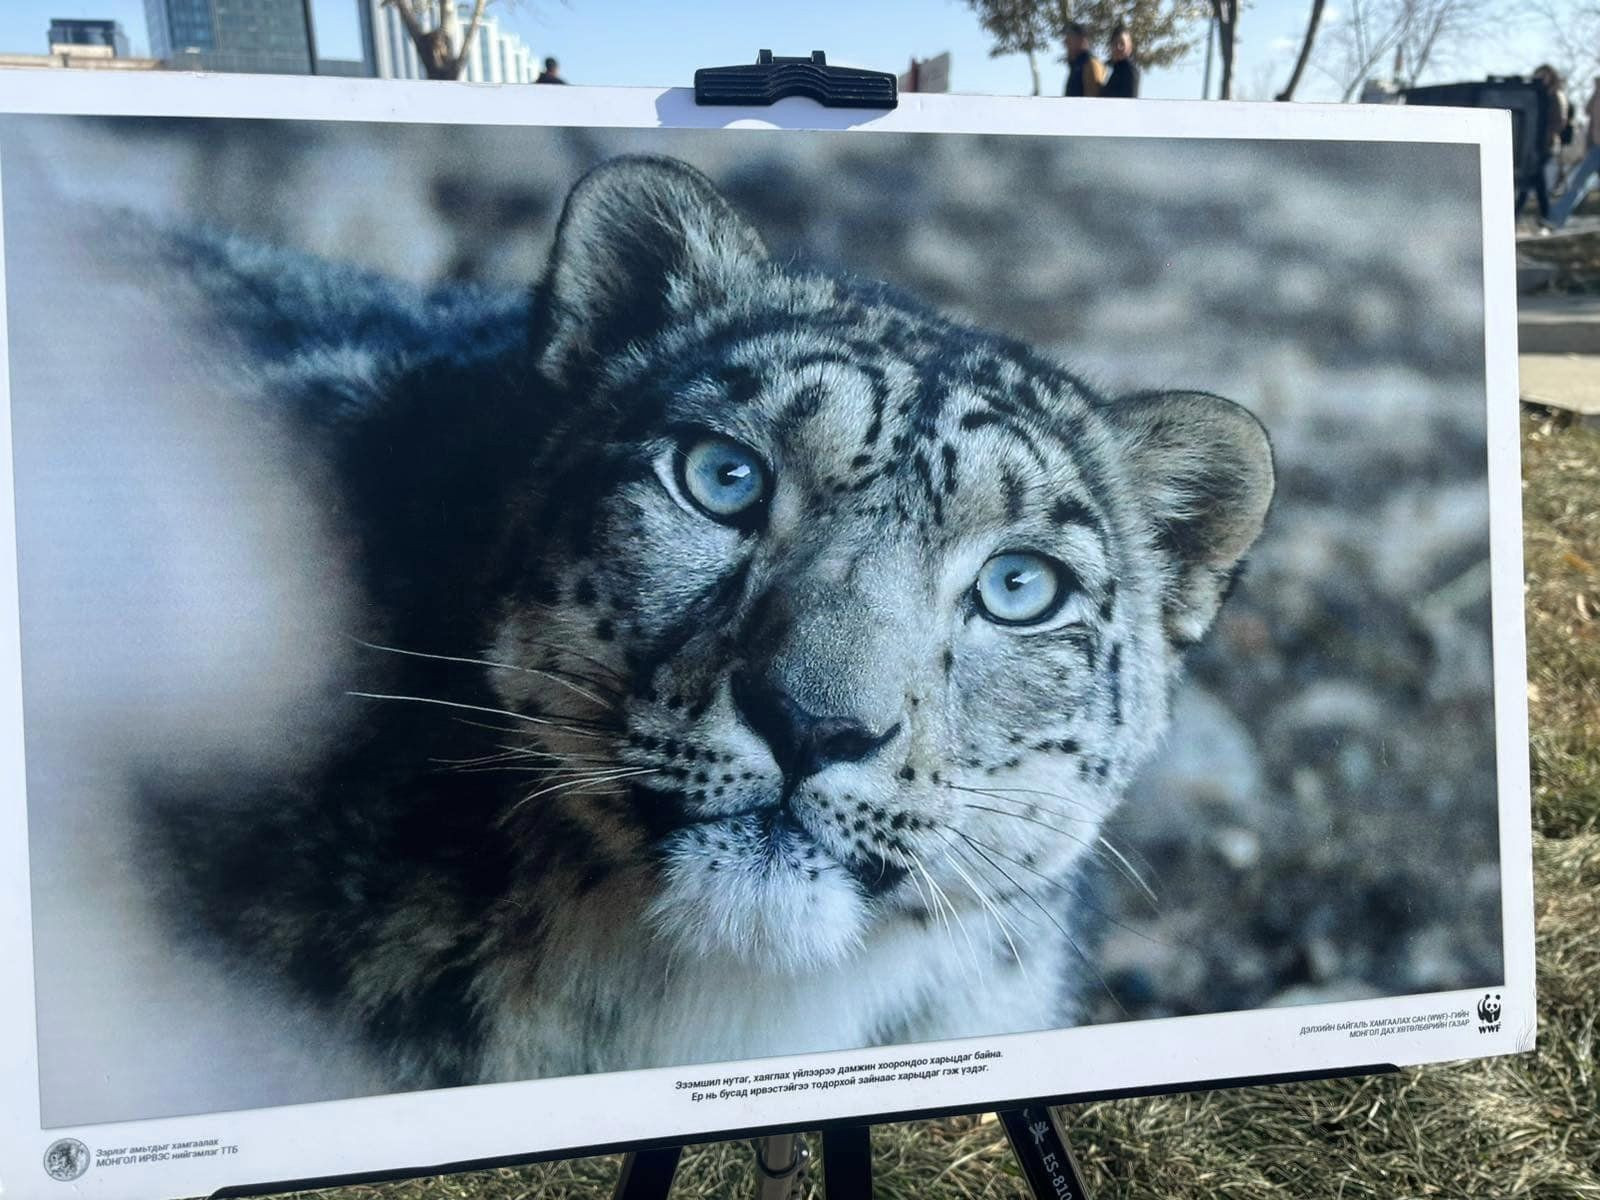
1123,82
551,72
1550,120
1592,137
1584,174
1086,74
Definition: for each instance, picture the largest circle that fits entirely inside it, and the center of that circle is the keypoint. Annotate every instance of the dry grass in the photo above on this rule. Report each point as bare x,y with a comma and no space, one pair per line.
1561,522
1509,1127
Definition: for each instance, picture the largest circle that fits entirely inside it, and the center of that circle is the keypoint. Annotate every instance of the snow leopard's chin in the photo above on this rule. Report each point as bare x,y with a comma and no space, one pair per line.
760,889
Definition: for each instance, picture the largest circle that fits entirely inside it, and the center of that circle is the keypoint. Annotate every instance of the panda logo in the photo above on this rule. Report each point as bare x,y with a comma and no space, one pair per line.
66,1160
1489,1013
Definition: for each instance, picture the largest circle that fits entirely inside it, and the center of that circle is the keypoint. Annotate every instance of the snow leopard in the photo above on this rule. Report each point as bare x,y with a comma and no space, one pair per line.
748,660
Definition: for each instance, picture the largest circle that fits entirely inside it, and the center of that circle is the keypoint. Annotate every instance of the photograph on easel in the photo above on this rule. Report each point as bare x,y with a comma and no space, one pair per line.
516,603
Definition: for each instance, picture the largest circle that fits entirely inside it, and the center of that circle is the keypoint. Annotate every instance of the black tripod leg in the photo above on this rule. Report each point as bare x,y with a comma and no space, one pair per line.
847,1162
1041,1148
647,1174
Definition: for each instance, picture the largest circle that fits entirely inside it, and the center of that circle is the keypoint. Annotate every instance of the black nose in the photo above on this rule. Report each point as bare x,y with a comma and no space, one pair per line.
802,742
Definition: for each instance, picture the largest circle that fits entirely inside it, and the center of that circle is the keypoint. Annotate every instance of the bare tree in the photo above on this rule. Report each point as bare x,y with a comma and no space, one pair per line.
1432,31
1415,34
1161,29
1572,31
1355,46
434,27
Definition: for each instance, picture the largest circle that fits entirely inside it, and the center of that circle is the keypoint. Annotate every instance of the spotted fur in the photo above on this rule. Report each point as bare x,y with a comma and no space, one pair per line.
559,834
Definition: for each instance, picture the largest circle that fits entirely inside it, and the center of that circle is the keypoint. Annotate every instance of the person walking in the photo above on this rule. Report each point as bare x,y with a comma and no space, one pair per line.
1591,137
1086,74
551,72
1123,82
1583,176
1548,124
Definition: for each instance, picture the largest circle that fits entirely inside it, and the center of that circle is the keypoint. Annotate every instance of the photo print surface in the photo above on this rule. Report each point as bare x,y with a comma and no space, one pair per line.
502,604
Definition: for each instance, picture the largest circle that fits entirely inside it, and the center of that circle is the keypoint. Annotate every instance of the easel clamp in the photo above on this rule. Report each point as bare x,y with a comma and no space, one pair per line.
770,79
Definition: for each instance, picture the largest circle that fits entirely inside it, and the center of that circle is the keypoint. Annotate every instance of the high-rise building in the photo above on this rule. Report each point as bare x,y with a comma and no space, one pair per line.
72,35
265,36
496,56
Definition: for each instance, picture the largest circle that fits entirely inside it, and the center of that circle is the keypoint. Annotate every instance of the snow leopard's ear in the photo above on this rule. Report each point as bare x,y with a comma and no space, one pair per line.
1203,467
641,241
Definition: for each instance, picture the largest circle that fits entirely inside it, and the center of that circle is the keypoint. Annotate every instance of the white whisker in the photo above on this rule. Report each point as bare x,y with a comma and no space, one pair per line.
1000,812
543,673
1057,885
570,785
983,898
1132,874
1006,792
972,950
494,712
1071,941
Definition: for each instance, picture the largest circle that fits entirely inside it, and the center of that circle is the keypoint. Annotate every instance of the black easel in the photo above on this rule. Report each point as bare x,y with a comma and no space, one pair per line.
1034,1132
847,1162
1036,1136
648,1174
1040,1145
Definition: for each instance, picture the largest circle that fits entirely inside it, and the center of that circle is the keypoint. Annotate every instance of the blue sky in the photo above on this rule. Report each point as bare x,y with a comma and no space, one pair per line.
648,42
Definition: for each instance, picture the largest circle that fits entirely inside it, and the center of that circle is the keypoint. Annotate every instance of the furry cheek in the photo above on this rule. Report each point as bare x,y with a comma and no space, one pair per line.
773,906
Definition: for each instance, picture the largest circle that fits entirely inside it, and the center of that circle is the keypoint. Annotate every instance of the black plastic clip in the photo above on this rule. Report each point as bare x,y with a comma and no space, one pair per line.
771,79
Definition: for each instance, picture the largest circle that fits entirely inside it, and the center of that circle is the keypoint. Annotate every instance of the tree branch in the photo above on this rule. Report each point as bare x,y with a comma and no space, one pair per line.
407,18
472,30
1305,51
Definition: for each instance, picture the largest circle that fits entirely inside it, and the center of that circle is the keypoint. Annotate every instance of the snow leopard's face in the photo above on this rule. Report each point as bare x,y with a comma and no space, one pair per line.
838,612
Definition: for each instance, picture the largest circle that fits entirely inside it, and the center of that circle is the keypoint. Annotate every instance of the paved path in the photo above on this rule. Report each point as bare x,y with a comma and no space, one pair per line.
1559,359
1566,381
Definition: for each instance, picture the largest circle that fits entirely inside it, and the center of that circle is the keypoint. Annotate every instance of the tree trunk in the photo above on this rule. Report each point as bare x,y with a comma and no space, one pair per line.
472,32
1305,52
443,49
1227,14
434,51
437,55
1033,69
311,33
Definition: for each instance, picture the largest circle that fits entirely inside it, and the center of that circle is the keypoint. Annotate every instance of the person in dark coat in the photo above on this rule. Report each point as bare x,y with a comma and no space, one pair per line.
551,72
1086,74
1123,82
1548,127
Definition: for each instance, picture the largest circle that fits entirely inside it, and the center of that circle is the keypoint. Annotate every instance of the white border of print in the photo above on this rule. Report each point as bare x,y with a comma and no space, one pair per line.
412,1132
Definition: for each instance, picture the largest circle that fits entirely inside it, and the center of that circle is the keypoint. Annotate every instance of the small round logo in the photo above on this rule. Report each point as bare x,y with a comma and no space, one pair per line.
66,1160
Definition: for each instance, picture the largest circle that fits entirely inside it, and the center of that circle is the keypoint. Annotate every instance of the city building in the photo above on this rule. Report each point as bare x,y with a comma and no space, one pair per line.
496,56
927,74
83,43
69,35
272,37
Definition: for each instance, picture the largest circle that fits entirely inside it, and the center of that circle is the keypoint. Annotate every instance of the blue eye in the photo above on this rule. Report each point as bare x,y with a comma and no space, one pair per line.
1019,588
725,480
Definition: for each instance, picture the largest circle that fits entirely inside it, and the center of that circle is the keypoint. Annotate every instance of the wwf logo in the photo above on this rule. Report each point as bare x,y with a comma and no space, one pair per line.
66,1160
1489,1013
